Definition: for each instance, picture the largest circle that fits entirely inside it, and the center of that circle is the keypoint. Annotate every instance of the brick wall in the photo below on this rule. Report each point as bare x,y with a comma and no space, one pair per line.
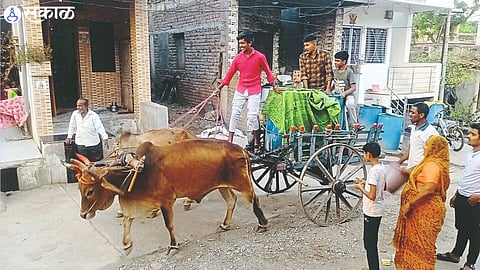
101,88
324,27
140,57
36,90
203,26
210,29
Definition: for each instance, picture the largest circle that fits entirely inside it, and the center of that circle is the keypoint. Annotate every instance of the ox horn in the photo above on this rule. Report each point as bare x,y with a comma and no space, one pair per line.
71,166
83,158
77,163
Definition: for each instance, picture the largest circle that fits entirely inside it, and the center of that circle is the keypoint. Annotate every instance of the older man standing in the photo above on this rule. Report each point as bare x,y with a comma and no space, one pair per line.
86,126
316,70
466,202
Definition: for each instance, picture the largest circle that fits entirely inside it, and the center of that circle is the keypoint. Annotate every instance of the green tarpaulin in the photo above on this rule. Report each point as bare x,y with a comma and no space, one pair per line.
297,107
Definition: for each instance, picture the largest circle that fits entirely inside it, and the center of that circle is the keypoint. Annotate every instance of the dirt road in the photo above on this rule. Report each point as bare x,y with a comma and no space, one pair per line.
292,241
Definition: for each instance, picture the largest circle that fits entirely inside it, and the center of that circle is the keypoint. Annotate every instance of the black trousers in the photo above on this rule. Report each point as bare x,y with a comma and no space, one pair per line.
370,240
93,153
467,222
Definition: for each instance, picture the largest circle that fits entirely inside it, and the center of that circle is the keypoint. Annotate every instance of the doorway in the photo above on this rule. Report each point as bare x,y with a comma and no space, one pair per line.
64,85
264,44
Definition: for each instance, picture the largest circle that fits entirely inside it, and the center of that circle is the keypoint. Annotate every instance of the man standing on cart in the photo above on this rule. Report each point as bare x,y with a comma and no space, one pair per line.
316,70
250,63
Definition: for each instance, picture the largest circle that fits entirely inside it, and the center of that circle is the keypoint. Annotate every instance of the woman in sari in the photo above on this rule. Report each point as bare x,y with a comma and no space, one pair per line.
422,208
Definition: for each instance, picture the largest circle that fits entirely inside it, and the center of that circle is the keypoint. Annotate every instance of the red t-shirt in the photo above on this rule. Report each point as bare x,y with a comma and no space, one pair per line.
250,68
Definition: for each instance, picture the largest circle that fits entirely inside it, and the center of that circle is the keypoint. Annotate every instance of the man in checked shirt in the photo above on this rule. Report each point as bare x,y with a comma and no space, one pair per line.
315,66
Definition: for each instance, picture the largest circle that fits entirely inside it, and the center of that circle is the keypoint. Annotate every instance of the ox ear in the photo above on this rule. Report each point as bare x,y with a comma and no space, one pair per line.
107,185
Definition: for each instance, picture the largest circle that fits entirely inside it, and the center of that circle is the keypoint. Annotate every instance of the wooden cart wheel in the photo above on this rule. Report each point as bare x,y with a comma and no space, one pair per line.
271,174
327,191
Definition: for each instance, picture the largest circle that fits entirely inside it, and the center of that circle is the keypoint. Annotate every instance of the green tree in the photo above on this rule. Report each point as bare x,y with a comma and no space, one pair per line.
460,62
432,23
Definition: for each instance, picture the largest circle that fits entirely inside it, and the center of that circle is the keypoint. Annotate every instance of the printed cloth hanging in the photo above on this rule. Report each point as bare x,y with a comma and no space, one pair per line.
12,112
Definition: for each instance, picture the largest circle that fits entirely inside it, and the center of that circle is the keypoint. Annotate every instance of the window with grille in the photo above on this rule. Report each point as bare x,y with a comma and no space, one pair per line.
351,43
375,45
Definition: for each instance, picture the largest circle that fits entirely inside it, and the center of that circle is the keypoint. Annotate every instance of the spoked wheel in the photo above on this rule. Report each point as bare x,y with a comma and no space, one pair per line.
327,191
271,174
455,138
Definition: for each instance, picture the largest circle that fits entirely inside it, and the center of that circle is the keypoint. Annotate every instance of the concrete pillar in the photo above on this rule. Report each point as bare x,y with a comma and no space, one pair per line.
140,57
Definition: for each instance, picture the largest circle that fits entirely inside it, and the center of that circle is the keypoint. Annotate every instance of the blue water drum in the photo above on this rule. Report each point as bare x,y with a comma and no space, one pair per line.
273,138
392,127
340,101
368,115
434,109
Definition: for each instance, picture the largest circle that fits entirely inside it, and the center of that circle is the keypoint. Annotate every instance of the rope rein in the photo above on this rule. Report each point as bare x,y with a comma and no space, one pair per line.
196,110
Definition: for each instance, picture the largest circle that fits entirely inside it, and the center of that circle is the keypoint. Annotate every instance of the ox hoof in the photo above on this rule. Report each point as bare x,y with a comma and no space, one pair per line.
128,245
172,250
119,214
261,229
187,207
223,228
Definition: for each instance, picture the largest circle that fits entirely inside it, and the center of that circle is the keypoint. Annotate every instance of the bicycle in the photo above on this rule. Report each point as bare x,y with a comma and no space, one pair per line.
169,92
450,130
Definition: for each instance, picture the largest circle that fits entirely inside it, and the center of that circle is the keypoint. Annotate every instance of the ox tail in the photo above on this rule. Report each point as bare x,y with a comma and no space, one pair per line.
259,213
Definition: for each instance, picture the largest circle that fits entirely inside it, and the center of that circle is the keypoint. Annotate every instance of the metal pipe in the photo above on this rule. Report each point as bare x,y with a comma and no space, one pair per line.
446,37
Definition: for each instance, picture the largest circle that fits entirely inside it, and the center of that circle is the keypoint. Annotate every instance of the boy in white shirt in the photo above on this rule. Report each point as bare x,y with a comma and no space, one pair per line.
373,202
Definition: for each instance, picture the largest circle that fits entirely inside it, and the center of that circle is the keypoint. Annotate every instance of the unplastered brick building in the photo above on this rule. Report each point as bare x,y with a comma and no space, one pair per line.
196,39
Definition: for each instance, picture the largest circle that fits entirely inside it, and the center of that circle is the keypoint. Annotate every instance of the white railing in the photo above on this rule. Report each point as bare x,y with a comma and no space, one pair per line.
414,78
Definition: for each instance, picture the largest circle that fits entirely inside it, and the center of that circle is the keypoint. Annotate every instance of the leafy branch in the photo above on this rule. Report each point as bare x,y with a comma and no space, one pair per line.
30,54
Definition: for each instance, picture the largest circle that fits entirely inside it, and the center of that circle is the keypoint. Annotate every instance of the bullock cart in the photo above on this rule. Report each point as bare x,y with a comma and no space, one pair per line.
316,152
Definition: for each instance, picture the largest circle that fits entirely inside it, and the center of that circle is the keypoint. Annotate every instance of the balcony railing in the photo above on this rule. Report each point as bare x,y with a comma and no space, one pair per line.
414,79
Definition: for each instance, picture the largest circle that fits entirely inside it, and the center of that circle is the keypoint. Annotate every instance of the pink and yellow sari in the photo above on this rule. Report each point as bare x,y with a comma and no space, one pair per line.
416,233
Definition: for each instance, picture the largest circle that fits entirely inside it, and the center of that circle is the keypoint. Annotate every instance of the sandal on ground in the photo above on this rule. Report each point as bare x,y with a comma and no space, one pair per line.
468,266
447,257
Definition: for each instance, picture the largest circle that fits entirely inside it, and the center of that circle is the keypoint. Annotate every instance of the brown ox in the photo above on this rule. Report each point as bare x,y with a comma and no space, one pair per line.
158,137
190,168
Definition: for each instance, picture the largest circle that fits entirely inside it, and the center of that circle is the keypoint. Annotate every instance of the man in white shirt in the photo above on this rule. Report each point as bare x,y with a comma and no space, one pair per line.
421,132
86,126
466,202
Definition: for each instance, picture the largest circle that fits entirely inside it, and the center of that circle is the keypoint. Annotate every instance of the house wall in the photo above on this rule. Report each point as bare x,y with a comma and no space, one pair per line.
401,37
130,26
101,88
210,29
206,37
324,27
370,74
139,48
34,77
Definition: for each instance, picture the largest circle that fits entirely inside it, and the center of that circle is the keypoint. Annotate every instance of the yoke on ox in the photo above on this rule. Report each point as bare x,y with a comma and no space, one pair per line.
190,168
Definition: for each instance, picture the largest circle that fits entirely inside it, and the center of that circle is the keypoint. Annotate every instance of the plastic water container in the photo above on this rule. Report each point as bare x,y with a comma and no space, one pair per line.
392,127
368,115
273,138
434,109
